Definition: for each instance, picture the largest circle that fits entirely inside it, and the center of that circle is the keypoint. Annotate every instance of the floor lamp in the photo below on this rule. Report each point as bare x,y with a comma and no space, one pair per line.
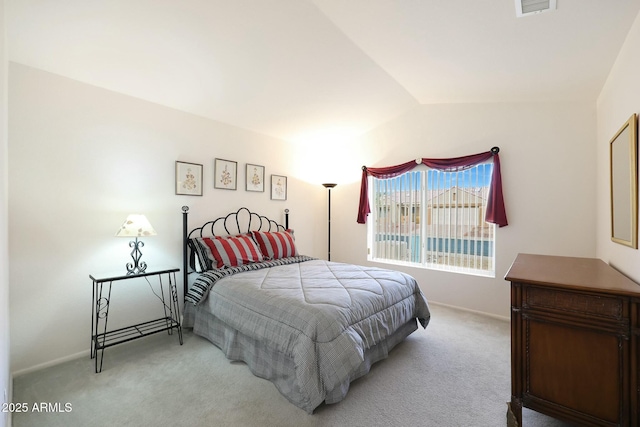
329,186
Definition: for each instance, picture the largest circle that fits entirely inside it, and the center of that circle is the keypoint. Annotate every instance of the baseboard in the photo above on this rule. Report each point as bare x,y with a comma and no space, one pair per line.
481,313
9,418
86,352
50,363
7,397
511,418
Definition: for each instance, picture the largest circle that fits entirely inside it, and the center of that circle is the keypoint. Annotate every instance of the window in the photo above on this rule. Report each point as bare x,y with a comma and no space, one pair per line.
433,219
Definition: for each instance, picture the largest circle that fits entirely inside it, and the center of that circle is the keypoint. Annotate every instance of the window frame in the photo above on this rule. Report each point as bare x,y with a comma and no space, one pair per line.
422,231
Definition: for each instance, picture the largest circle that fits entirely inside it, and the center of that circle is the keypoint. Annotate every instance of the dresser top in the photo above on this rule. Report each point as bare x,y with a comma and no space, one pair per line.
590,274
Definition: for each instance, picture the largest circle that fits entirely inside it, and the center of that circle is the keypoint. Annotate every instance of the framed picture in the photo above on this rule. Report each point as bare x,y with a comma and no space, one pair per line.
188,179
278,187
254,178
225,174
624,184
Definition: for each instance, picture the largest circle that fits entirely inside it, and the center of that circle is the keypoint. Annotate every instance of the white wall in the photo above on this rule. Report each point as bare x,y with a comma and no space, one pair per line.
5,373
547,157
81,159
619,99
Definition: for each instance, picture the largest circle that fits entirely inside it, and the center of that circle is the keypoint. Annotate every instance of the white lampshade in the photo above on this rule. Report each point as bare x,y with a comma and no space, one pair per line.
136,225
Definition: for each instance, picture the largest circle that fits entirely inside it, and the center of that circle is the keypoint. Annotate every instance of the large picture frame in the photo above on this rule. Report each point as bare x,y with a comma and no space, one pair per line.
188,179
225,174
623,166
278,187
254,178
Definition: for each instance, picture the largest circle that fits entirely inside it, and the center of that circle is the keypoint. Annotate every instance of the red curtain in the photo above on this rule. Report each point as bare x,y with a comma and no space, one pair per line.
495,214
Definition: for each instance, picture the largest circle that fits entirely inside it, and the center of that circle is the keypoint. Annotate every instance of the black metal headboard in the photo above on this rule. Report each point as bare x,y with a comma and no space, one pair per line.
238,222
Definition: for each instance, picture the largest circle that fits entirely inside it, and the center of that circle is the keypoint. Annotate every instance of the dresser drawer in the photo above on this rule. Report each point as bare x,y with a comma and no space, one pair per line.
607,307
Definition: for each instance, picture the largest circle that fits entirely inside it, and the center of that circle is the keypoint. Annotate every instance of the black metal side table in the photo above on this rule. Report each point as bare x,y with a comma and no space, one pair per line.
101,338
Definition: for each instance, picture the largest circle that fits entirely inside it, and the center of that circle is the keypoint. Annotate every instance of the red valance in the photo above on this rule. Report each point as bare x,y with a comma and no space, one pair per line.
496,213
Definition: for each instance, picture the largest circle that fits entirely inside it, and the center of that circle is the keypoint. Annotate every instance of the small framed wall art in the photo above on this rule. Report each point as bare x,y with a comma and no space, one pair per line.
225,174
278,187
254,178
188,179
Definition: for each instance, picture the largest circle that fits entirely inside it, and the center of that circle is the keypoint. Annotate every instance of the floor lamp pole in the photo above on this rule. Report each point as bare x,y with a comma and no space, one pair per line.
329,186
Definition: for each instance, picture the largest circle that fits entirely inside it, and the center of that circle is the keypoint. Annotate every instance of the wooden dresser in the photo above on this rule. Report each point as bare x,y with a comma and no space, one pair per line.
575,341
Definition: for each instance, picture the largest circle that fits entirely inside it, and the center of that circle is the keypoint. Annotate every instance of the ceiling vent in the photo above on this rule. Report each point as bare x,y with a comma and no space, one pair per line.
532,7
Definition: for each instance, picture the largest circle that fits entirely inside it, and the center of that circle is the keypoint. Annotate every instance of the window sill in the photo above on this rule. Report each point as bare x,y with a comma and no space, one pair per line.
437,267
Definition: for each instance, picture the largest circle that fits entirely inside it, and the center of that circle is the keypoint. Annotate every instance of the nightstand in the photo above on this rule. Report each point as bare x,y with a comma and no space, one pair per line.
101,338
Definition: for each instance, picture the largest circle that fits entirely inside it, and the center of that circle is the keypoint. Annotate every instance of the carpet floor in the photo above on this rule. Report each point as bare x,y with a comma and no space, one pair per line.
455,373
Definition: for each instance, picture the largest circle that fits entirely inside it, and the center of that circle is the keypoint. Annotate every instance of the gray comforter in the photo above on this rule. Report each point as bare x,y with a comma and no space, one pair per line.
322,315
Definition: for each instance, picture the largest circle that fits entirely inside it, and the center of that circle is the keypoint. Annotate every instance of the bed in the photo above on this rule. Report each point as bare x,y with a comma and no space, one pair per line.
308,325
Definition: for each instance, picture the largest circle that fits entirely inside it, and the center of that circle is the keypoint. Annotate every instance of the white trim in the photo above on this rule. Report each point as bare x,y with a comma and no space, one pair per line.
7,415
481,313
50,363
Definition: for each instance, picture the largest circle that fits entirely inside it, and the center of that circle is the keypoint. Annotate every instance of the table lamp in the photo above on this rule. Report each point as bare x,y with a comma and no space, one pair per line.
136,225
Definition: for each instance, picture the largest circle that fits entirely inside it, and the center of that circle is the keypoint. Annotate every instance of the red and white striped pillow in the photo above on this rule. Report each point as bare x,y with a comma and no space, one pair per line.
276,244
233,251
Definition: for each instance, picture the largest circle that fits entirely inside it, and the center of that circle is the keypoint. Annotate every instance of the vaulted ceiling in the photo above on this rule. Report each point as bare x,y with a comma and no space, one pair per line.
299,69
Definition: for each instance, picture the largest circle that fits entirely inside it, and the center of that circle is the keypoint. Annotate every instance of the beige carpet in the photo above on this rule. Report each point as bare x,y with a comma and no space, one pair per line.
454,373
